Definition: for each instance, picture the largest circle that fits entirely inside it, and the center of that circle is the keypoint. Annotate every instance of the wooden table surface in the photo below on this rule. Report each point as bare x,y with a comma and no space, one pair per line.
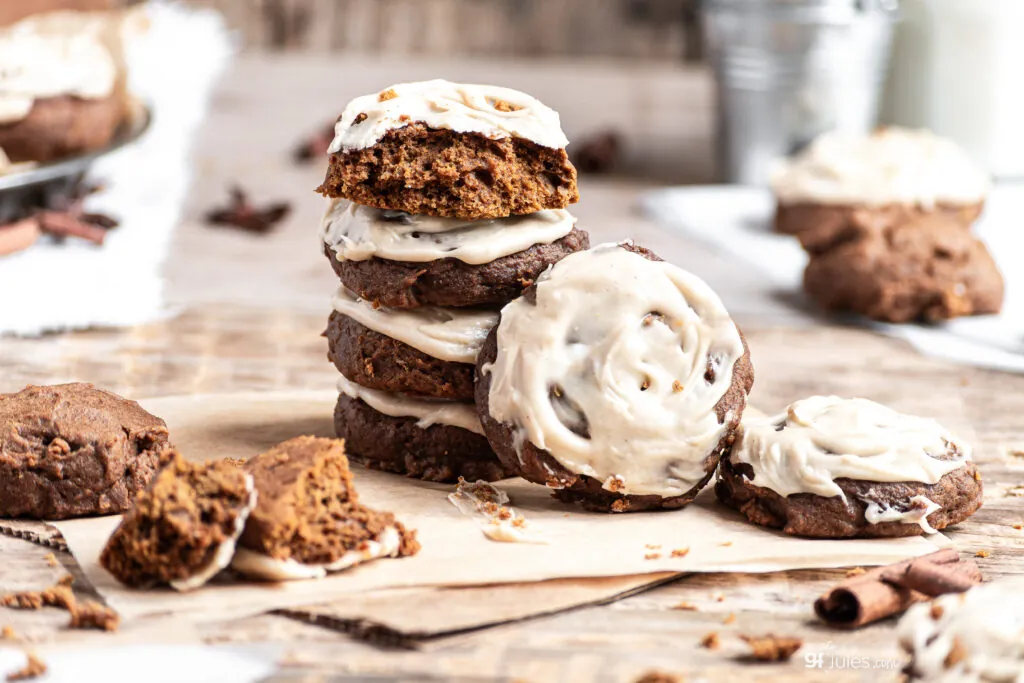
249,311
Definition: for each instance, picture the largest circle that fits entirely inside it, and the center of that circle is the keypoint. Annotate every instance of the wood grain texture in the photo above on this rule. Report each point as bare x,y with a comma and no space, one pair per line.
250,311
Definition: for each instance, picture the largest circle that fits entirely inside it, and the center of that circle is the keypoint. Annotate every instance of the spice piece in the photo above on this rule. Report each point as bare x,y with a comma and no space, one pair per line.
982,553
720,597
731,619
240,213
91,227
677,386
8,633
686,606
316,145
1018,526
710,641
885,591
652,556
599,153
725,544
937,611
34,668
771,648
680,552
652,546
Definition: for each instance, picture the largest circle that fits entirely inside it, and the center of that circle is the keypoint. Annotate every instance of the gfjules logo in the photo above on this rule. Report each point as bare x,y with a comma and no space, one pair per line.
827,657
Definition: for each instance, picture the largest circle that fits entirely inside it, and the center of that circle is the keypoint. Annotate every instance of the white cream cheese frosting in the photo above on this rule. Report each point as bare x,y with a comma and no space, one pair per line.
488,110
49,55
451,334
606,371
488,504
426,412
890,166
357,233
260,566
224,554
917,513
972,637
824,438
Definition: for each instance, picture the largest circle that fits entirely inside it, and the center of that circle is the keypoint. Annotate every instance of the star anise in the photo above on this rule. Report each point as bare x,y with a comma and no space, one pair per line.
315,146
240,213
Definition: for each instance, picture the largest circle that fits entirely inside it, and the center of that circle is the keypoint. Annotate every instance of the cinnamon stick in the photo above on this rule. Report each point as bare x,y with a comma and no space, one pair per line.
885,591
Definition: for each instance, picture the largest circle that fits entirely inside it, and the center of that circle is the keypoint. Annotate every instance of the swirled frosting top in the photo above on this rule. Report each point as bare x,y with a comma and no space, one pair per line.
488,110
48,55
890,166
616,368
972,637
824,438
356,233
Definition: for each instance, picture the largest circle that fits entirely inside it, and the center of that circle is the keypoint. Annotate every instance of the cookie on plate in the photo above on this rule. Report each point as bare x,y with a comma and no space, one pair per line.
73,450
449,149
618,380
972,636
404,261
61,86
308,520
896,174
427,439
830,467
183,530
426,352
926,268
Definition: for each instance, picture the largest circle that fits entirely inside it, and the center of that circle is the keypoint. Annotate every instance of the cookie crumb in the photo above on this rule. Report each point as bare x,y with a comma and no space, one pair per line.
856,571
8,633
771,648
34,668
725,544
720,597
977,475
502,105
659,677
677,386
92,614
937,611
731,619
51,560
55,596
982,553
685,607
619,505
1018,526
710,641
652,546
404,118
386,95
652,556
359,119
681,552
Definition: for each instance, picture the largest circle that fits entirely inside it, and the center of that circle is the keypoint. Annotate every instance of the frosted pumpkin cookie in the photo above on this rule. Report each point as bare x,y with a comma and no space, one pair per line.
894,173
400,260
977,636
181,531
450,149
618,380
830,467
308,520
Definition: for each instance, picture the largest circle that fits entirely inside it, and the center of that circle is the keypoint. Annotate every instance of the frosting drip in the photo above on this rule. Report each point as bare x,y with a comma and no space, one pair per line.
824,438
919,507
427,412
617,369
984,626
451,334
489,110
260,566
47,55
891,166
357,233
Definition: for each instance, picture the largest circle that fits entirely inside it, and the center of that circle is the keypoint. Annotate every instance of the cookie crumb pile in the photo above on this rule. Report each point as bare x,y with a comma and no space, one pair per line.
446,201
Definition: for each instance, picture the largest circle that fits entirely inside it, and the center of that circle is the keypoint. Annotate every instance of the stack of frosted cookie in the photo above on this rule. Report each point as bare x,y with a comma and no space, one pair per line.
446,202
886,220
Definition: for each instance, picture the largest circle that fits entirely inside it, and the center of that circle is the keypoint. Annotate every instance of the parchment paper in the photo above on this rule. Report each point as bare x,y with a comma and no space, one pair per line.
455,552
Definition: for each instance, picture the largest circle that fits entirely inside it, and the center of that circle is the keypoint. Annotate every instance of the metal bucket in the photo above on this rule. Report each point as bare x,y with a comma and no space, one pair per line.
788,71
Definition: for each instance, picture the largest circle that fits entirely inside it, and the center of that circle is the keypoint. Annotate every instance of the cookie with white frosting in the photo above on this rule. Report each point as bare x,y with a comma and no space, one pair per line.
895,173
618,380
400,260
450,149
830,467
425,352
925,267
426,439
972,637
61,86
308,520
181,531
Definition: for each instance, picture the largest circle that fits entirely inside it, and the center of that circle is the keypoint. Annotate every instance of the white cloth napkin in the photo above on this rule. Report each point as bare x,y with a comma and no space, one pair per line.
50,287
737,220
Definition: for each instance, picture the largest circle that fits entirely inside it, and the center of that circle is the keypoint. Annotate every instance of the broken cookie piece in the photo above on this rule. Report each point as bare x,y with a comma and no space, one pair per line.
182,531
308,520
